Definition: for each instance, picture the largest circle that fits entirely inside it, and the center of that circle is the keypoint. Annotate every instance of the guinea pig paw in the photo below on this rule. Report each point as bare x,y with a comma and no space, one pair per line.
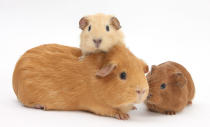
134,108
152,110
170,112
122,116
38,106
189,102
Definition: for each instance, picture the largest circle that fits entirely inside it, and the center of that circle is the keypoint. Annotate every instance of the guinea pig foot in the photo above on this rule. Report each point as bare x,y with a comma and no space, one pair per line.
134,108
170,113
38,106
189,102
122,116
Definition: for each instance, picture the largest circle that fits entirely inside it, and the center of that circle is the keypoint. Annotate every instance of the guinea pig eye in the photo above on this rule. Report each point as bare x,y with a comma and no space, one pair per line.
89,28
123,75
163,86
107,28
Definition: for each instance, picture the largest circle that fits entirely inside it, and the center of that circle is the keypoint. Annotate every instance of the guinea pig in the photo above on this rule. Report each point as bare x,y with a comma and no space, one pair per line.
51,77
100,32
171,88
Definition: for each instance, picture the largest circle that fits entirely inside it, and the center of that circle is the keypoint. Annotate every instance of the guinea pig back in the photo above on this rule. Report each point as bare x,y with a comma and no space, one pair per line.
51,77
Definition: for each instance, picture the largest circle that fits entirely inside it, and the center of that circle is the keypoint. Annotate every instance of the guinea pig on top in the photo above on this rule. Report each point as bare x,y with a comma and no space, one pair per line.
171,88
50,77
100,32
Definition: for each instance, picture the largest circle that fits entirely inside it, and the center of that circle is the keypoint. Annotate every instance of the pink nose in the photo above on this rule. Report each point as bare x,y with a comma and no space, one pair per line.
140,91
97,42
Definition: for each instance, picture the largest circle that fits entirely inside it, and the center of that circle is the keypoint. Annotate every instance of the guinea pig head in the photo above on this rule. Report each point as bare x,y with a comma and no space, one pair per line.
99,32
165,85
121,80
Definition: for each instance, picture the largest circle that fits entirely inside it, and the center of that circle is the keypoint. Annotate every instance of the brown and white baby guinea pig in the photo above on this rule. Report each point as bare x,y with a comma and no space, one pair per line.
171,88
100,32
51,77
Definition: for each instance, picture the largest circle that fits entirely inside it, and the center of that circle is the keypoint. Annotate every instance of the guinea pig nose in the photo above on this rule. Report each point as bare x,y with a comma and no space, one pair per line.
149,96
140,91
97,42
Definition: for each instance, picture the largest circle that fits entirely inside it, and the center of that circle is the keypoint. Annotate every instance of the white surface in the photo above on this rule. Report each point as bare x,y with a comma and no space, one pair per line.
155,30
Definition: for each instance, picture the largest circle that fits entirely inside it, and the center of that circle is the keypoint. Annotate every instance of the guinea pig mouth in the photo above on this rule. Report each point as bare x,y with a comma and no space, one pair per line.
140,98
148,101
97,45
151,101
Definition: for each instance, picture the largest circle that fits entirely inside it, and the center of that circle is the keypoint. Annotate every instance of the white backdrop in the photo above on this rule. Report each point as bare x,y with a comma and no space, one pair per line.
155,30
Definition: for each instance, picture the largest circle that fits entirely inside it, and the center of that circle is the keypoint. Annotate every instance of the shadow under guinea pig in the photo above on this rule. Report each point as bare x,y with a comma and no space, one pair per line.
144,116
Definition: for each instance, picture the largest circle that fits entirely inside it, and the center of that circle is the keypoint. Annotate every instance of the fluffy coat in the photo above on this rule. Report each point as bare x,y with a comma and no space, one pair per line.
53,78
177,92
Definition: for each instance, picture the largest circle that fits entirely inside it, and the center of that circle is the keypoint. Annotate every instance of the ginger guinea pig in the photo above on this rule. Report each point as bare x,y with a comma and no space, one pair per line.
51,77
100,32
171,88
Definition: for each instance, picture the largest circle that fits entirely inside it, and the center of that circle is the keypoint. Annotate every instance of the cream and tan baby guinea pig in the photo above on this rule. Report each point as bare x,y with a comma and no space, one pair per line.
100,32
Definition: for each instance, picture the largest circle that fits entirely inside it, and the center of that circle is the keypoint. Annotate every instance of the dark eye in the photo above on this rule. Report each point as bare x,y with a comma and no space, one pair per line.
123,75
107,28
89,28
163,86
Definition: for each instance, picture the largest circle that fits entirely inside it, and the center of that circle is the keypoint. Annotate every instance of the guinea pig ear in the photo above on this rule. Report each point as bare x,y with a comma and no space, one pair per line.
115,23
145,66
83,23
153,68
106,70
180,79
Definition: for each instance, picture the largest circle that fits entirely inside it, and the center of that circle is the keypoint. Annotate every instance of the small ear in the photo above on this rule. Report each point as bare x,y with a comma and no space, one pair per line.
153,68
180,79
83,23
146,68
115,23
106,70
144,65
